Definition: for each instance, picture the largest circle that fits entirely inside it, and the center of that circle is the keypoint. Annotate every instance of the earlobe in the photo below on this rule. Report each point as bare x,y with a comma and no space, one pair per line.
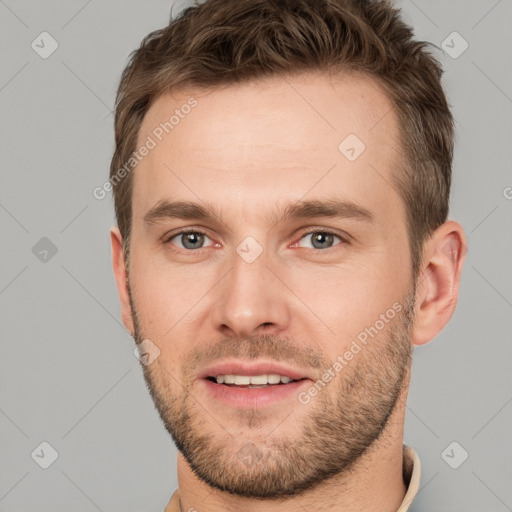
120,274
437,287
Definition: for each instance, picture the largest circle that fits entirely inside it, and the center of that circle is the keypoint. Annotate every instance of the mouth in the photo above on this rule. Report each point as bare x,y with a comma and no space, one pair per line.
253,390
252,385
252,381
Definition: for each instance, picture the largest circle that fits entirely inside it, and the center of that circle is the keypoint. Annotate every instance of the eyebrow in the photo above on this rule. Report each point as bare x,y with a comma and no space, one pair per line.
331,208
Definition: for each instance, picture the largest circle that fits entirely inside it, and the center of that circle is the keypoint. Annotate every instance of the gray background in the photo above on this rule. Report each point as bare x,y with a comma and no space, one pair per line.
68,375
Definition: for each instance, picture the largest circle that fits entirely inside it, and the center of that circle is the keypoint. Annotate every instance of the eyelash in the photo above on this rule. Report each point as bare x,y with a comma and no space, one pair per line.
167,239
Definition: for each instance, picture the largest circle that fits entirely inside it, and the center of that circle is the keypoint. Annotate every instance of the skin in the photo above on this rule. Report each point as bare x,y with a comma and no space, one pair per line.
245,149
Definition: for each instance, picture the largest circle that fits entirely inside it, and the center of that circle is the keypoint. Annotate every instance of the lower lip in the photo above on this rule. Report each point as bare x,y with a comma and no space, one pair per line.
250,398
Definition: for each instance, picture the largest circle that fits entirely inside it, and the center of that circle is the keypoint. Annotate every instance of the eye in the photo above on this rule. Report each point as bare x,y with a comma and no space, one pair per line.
189,240
321,239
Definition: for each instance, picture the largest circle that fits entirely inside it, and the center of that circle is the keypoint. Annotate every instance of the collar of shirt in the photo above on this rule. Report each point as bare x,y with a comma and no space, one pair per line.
411,475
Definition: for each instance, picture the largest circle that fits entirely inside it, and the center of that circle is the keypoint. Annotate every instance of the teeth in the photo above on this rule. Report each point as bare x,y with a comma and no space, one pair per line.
258,380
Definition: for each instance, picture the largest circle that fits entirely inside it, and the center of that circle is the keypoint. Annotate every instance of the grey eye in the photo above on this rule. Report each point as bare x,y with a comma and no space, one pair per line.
321,239
190,240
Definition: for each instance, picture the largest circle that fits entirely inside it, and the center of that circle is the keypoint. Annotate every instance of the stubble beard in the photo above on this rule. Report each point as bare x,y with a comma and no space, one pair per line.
340,424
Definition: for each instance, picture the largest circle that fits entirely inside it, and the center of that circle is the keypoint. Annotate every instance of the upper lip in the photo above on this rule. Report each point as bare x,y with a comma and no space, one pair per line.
252,368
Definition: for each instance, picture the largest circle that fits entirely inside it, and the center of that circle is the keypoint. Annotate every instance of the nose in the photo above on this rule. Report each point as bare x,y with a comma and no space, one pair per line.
251,300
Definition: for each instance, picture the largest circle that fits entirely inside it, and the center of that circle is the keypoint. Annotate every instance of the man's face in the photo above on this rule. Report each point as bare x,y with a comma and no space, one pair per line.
249,292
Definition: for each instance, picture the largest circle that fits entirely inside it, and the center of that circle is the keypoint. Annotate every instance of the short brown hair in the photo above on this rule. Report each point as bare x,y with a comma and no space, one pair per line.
222,42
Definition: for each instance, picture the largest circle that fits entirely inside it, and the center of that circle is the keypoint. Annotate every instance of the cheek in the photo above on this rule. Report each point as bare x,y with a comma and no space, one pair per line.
341,303
168,297
162,313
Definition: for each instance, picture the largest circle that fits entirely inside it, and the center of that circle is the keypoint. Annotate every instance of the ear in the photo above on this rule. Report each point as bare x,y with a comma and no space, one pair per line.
438,282
121,276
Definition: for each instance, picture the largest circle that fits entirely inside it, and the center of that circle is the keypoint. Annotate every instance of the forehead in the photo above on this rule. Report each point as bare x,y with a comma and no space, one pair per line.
244,145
